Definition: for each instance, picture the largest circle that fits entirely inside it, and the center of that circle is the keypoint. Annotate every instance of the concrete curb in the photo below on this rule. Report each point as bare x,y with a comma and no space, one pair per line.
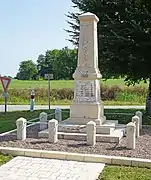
112,160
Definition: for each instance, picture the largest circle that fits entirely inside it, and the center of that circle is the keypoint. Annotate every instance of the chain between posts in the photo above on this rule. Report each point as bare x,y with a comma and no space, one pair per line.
29,122
130,114
66,111
51,114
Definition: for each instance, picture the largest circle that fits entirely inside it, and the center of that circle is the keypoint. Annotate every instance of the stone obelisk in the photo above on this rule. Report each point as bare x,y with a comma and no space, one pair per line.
87,104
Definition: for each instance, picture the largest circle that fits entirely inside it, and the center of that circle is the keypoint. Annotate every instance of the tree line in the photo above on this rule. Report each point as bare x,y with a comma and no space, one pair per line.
61,63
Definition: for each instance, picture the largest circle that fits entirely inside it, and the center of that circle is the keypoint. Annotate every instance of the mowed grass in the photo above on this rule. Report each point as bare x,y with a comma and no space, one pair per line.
59,84
125,173
19,92
8,120
5,159
21,84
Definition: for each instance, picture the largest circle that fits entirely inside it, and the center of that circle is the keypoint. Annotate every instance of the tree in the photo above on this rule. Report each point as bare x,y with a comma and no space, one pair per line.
27,71
63,62
41,65
124,35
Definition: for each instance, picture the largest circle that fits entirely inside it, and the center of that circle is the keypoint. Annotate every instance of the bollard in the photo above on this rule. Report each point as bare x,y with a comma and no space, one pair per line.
91,133
43,121
136,120
32,100
58,114
140,115
53,131
98,122
130,135
21,129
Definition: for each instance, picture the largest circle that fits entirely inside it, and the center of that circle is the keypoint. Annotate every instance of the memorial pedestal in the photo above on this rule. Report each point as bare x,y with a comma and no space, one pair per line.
87,104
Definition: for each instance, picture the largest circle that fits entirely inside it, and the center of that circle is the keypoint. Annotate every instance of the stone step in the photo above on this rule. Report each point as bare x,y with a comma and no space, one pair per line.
114,137
106,128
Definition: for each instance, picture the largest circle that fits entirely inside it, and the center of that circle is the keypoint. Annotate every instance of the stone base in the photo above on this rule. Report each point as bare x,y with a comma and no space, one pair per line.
83,113
83,121
106,128
114,137
109,131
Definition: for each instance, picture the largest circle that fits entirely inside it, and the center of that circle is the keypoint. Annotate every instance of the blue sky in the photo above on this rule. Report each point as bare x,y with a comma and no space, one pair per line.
30,27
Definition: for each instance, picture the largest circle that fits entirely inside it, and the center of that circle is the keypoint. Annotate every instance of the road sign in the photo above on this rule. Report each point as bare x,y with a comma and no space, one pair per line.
5,82
48,76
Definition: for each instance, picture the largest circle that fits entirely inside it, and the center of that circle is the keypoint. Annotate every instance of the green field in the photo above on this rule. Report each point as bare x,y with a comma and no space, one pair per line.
113,92
8,120
125,173
59,84
4,159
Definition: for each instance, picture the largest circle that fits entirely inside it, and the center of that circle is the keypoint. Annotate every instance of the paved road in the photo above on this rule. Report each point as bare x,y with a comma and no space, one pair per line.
26,107
21,168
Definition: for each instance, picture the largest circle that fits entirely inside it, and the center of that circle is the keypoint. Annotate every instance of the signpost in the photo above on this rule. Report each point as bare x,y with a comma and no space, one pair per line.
49,76
5,83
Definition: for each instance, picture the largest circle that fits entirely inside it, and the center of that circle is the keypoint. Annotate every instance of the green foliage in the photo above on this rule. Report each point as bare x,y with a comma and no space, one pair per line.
124,34
62,92
124,37
109,94
60,63
125,173
27,71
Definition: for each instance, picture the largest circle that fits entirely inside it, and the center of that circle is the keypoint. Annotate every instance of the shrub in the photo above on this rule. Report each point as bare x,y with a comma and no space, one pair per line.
114,93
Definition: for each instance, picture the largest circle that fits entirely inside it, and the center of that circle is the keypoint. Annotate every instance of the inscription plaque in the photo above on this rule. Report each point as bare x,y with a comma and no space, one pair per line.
85,91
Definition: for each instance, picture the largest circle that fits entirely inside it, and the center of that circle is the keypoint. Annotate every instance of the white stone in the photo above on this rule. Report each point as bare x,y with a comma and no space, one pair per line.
28,168
140,115
130,135
87,105
43,121
88,16
58,114
53,131
91,133
136,120
21,128
98,122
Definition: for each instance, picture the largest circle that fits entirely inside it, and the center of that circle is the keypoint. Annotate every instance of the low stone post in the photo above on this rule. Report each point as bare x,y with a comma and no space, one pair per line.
53,131
91,133
130,135
136,120
21,128
140,115
43,121
58,114
98,122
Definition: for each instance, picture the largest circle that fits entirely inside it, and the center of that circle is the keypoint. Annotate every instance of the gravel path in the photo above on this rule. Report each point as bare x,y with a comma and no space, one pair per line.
143,144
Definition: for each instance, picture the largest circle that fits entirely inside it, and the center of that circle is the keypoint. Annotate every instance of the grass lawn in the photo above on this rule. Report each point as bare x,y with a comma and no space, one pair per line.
19,92
4,159
8,120
58,84
125,173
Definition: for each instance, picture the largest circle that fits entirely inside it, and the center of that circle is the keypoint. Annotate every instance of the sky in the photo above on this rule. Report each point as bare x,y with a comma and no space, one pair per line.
29,28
